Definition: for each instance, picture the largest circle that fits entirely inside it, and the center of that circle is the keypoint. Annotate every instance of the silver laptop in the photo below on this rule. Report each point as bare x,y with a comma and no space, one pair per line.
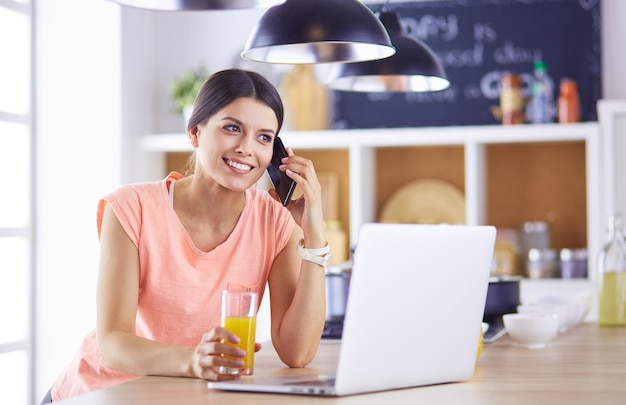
414,312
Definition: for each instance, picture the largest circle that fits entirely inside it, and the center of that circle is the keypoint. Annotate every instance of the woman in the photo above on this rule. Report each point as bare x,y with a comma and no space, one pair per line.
168,249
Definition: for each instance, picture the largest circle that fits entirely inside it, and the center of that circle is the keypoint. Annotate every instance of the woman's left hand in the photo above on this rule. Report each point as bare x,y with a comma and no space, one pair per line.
306,210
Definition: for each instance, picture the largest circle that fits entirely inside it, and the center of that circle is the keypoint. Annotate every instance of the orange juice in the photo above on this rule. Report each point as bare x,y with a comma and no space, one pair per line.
481,341
245,329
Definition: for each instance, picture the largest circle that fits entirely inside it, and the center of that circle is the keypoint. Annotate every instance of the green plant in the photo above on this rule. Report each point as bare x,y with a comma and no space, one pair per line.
185,87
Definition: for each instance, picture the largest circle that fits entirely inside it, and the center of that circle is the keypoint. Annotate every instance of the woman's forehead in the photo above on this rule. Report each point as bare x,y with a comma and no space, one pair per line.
248,111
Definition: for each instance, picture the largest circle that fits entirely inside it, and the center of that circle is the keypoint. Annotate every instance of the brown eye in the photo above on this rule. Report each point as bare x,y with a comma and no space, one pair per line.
232,128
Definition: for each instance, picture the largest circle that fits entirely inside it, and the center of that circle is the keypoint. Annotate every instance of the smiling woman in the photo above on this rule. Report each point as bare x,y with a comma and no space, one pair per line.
179,242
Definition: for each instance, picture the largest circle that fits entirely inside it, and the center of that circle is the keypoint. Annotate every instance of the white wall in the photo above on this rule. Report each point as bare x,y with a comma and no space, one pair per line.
613,48
614,89
183,40
78,141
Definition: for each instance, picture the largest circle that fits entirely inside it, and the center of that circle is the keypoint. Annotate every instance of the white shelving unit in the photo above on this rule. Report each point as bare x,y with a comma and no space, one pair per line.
362,144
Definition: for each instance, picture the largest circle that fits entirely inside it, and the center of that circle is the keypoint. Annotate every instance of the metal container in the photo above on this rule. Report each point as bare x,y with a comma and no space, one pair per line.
337,288
542,263
573,263
532,235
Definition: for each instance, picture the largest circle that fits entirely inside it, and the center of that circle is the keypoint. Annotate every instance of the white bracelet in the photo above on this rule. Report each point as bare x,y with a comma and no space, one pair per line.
319,256
315,252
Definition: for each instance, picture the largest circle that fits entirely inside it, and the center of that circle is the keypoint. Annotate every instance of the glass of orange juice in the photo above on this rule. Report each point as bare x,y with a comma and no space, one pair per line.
238,315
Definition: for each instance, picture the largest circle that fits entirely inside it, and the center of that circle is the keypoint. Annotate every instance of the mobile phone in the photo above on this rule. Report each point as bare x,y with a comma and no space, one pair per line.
282,183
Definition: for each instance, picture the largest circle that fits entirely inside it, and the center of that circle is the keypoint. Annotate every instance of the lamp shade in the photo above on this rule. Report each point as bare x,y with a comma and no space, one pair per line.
318,31
182,5
413,68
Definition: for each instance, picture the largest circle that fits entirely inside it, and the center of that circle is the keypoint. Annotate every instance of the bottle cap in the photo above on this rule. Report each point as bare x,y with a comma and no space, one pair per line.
510,80
568,86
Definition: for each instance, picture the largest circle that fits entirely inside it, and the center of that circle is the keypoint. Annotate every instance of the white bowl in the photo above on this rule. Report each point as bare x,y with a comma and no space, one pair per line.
560,310
532,330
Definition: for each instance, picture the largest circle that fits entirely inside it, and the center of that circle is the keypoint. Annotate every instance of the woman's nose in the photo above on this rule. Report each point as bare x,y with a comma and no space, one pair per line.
245,145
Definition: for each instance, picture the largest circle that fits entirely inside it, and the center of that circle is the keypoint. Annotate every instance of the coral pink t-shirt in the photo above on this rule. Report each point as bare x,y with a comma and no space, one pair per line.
180,285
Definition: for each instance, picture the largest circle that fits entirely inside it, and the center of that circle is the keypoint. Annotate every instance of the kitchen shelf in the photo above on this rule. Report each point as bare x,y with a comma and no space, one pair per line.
360,146
333,139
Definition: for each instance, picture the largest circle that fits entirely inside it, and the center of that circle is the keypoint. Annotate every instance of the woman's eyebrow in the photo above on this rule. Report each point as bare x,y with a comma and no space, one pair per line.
232,119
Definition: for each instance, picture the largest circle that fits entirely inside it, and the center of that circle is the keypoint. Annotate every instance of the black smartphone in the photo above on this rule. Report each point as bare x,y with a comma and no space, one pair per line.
282,183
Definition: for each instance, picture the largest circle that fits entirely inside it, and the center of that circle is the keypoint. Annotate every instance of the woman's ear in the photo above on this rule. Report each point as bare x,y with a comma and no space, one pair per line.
193,133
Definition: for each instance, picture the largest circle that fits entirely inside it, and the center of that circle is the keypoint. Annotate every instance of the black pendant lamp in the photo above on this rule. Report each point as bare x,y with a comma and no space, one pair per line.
318,31
198,5
413,68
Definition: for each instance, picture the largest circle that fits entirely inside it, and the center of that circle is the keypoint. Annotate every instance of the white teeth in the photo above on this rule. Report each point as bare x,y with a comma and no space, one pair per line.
238,166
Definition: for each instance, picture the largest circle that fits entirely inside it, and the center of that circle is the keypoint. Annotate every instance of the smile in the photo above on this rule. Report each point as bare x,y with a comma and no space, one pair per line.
238,166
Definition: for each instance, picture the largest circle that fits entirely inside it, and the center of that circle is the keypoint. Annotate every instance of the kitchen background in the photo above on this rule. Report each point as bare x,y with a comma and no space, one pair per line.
103,74
476,42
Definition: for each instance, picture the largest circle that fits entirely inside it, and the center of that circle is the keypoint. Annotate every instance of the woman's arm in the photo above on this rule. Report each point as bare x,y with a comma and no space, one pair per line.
298,305
297,287
117,296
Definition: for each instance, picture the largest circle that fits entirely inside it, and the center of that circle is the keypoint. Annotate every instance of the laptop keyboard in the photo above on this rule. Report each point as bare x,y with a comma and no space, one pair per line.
333,329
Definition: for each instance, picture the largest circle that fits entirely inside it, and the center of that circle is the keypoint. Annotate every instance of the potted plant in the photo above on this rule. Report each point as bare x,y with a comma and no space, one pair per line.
185,87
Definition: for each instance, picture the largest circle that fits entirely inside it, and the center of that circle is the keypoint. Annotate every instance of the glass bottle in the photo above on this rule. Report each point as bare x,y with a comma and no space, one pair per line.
511,99
612,276
542,108
569,101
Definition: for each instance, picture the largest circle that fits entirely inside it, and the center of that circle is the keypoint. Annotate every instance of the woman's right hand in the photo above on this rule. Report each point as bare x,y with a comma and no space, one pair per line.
213,352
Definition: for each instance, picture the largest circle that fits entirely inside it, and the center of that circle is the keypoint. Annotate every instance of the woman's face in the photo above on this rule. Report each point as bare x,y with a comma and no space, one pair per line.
234,147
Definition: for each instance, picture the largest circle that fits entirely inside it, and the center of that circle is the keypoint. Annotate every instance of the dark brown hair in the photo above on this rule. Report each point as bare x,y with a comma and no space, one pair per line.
224,87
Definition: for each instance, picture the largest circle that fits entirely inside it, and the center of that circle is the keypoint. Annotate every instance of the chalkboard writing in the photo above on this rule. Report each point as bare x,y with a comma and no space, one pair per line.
477,41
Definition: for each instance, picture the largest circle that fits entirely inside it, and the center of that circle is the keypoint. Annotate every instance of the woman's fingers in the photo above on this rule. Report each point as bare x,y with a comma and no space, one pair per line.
301,170
214,352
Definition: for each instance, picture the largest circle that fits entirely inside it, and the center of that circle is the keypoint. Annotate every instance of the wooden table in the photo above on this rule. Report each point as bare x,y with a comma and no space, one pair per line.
586,365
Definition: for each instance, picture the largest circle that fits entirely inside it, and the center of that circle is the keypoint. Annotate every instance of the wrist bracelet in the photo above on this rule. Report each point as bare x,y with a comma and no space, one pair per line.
319,256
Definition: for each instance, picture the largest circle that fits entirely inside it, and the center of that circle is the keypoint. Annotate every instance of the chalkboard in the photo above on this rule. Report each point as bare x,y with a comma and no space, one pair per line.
477,41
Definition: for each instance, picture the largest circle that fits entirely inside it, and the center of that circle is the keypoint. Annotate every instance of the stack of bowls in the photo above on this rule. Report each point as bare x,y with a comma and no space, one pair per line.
539,321
570,308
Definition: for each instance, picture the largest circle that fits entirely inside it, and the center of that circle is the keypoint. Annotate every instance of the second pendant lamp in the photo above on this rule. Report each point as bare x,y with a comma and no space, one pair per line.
413,68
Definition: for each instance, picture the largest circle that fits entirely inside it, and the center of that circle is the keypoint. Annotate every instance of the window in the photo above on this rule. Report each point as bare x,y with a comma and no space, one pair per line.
16,166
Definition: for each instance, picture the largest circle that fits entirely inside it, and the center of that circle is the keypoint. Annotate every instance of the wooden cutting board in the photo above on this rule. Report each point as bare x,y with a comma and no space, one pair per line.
306,99
428,201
